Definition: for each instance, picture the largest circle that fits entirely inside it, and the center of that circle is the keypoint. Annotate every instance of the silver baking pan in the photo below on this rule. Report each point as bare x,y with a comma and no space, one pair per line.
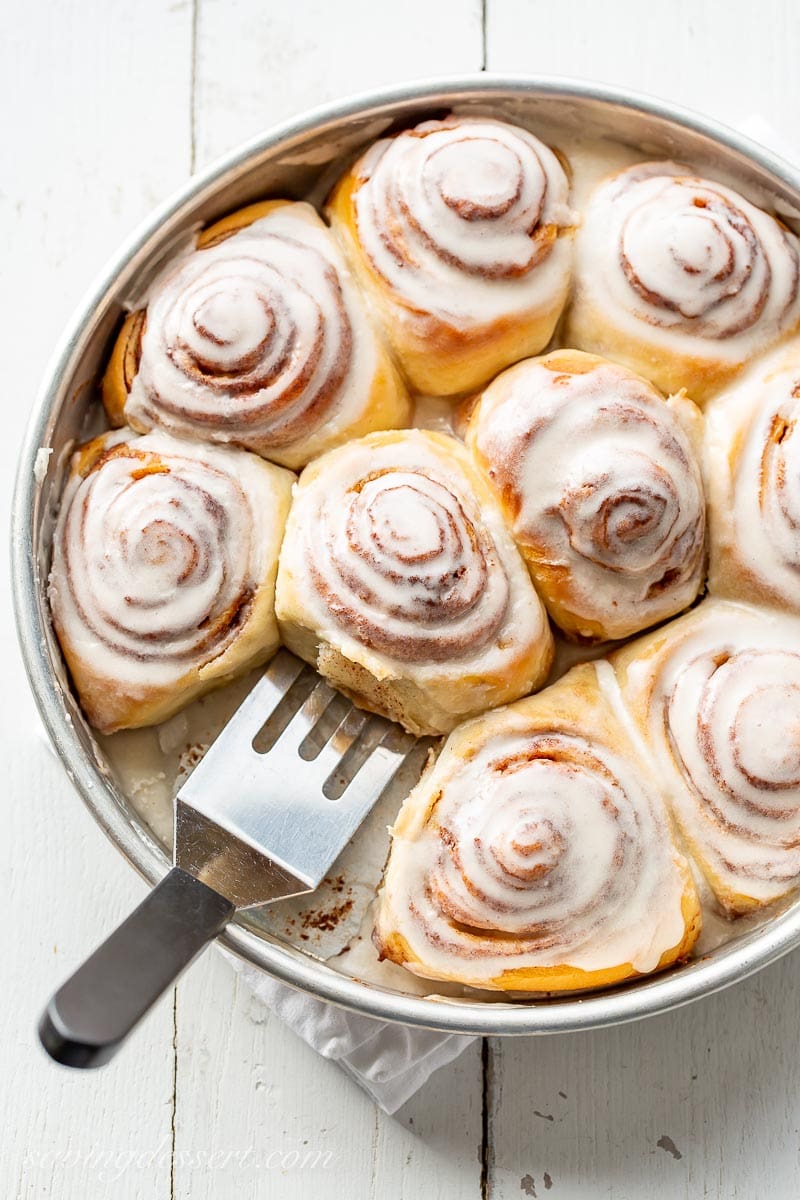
297,158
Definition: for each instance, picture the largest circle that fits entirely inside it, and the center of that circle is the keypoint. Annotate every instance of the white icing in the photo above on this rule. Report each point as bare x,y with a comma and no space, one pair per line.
397,565
720,702
460,217
753,443
602,481
147,562
686,263
41,463
260,340
609,685
532,846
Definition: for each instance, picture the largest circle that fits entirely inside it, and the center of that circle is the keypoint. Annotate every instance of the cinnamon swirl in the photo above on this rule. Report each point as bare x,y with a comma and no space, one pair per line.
259,338
599,480
536,854
753,484
460,232
716,696
681,278
400,582
163,576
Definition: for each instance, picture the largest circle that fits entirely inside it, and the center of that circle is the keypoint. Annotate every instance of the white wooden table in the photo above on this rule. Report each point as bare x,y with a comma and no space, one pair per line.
107,107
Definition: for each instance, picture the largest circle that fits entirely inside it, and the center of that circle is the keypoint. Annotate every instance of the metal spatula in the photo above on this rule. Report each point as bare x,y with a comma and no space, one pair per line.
261,818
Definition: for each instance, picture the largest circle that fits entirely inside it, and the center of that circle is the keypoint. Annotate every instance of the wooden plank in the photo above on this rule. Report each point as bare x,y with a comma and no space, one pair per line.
71,1133
703,1101
247,1085
260,63
729,60
80,163
433,1147
285,1123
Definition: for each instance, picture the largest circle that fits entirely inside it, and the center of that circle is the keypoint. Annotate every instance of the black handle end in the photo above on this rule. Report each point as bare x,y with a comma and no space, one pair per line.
90,1015
66,1050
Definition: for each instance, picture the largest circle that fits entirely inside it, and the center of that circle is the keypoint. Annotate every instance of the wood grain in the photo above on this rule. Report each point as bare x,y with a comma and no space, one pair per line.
260,63
728,60
702,1101
246,1084
79,167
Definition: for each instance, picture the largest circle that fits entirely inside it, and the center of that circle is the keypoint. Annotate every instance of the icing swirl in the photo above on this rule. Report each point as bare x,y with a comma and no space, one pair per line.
161,549
257,339
724,711
400,559
532,845
454,212
753,438
602,485
400,582
687,256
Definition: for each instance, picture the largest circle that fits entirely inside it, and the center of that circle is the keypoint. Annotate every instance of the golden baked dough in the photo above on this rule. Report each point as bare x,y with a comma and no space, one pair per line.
460,232
258,338
536,854
163,576
599,479
399,581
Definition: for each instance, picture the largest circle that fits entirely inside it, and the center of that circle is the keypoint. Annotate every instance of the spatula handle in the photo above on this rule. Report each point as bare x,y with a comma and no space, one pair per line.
91,1014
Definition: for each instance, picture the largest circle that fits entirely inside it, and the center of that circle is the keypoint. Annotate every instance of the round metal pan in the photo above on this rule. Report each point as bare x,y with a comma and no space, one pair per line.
297,158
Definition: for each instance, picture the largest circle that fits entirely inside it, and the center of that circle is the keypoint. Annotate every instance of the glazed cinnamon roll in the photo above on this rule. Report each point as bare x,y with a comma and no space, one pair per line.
460,232
163,577
599,480
259,338
399,581
716,696
680,278
753,484
536,855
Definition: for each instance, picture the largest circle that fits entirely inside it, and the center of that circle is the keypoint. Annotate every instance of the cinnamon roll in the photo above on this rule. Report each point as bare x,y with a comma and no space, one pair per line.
163,577
399,581
260,339
716,697
536,855
680,278
752,458
599,480
460,232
